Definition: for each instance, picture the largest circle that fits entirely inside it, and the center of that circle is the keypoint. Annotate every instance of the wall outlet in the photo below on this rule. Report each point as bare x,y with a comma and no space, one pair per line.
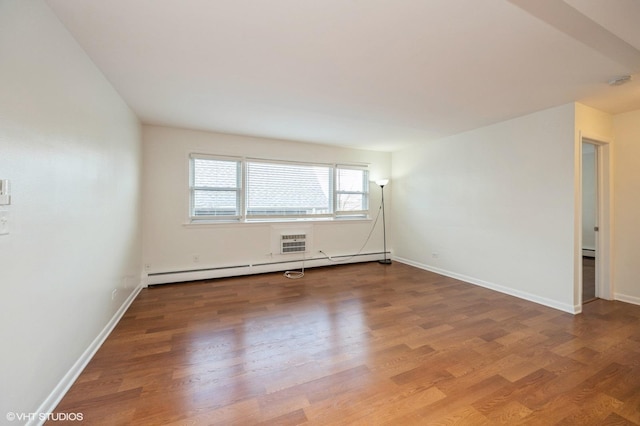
196,258
113,294
147,266
435,255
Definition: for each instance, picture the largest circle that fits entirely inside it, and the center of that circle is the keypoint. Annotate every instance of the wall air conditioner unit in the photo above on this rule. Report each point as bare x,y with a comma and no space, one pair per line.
293,243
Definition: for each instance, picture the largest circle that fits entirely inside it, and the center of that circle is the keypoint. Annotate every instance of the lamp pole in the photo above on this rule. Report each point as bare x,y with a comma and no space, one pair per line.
385,261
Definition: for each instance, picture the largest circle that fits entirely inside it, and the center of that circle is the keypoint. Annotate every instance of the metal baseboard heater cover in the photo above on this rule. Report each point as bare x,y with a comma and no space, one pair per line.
293,243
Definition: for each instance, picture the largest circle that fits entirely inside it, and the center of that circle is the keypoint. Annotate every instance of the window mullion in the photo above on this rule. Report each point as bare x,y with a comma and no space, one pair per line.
243,190
334,195
352,192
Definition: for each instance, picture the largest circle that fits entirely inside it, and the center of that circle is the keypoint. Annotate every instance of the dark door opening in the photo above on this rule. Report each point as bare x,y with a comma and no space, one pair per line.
589,221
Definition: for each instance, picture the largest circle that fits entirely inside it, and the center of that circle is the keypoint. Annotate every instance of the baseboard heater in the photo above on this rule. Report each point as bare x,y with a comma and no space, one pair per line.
168,277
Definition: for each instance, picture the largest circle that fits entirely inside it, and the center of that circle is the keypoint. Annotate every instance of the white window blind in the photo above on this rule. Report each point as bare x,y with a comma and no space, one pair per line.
291,190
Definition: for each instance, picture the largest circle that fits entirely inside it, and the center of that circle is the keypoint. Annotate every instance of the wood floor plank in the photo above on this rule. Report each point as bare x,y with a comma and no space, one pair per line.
363,344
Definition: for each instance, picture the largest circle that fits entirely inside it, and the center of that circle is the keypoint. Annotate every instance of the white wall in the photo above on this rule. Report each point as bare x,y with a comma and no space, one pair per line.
71,149
626,236
170,243
494,206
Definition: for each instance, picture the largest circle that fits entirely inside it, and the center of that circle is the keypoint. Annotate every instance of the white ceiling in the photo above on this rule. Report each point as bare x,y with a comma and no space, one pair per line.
374,74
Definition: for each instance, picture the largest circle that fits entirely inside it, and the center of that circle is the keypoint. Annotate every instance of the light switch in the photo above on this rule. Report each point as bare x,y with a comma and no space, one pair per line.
4,223
5,194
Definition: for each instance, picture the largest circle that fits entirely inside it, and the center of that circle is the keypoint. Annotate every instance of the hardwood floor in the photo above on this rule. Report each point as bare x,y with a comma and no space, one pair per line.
588,279
362,344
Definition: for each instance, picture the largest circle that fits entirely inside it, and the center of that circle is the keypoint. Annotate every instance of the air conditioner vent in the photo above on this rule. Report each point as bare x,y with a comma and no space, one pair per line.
293,243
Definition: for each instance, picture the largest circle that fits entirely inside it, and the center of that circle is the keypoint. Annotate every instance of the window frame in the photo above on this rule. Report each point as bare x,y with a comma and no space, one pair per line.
242,191
364,192
238,189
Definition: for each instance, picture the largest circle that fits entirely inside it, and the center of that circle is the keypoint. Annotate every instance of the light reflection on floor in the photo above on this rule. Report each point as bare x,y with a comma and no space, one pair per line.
311,338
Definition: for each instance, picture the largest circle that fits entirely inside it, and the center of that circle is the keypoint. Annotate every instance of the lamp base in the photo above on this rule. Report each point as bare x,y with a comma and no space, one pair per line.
385,261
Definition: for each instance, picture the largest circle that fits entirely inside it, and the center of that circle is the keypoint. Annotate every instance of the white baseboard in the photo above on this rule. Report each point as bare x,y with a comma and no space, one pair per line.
237,270
506,290
54,398
629,299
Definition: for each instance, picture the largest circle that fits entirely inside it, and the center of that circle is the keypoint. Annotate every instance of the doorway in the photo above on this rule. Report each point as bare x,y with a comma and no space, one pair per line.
594,254
589,221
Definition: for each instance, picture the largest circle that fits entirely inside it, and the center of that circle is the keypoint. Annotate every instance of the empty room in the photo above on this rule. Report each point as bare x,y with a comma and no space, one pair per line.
328,212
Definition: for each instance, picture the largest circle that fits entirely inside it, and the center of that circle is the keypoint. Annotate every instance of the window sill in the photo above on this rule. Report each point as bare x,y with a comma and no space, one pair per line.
256,222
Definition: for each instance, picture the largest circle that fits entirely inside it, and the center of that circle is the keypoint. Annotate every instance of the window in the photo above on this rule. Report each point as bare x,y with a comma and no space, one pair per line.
215,188
291,190
236,189
352,191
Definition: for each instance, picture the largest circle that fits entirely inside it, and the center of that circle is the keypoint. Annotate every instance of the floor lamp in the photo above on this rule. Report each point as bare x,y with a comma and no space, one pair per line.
385,261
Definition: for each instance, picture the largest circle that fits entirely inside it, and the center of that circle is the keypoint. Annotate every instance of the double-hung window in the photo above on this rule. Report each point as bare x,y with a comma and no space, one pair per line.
216,188
224,188
352,191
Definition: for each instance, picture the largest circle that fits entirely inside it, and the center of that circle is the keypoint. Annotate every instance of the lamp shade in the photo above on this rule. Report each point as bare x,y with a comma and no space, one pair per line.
382,182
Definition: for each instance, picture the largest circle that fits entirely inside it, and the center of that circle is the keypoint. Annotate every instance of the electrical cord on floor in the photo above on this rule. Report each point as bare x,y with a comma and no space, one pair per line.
363,245
294,275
